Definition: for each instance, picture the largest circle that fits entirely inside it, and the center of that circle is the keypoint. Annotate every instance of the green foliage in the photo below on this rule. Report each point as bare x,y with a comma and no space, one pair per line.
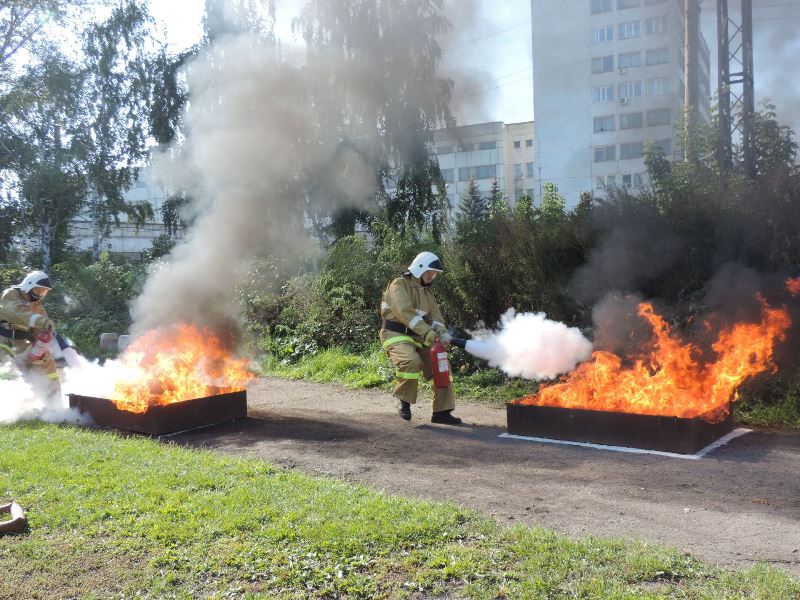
337,306
522,259
75,129
90,298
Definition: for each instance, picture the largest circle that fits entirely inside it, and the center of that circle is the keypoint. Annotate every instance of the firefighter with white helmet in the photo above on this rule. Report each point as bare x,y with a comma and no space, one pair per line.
22,320
412,321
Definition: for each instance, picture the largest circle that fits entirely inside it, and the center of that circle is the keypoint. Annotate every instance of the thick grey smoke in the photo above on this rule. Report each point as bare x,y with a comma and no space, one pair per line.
629,255
251,135
468,60
618,328
532,346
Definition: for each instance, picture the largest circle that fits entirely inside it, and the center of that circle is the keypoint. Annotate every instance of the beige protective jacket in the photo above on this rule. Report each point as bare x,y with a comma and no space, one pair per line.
17,312
409,302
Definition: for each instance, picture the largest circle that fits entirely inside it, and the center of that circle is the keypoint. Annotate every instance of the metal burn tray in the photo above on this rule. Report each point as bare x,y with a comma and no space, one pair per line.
648,432
167,418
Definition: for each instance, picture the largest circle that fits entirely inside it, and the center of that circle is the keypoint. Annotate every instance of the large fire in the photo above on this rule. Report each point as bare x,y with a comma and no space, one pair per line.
674,378
183,363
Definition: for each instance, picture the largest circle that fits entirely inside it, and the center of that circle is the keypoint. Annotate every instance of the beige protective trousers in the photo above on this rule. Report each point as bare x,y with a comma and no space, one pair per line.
412,363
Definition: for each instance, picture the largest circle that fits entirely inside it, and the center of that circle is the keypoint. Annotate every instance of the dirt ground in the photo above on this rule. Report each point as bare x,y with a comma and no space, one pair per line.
738,505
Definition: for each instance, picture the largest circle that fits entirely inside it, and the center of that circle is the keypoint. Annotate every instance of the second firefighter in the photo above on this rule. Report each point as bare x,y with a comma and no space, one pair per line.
412,321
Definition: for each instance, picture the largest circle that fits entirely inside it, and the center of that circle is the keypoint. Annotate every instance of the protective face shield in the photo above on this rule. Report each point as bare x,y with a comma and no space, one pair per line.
425,261
36,285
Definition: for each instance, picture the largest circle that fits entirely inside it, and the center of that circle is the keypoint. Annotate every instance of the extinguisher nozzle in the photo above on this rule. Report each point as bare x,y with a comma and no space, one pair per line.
461,343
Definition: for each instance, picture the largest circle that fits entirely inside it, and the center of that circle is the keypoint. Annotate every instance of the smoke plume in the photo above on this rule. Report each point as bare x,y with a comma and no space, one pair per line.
531,346
632,252
250,138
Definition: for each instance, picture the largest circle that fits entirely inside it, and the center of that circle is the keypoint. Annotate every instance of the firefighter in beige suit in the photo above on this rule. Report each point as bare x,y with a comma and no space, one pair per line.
412,321
22,318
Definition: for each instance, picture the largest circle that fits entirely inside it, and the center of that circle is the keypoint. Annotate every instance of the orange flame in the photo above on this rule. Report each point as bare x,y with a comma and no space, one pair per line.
793,285
673,379
184,363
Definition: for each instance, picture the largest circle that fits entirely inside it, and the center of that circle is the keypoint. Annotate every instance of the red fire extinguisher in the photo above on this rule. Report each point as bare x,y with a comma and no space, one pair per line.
440,364
41,346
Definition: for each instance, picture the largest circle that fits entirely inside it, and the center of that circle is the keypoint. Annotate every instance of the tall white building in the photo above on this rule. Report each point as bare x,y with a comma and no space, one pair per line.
487,151
608,76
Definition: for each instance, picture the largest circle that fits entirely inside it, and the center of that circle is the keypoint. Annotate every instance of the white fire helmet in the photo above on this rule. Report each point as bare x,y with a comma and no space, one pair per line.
36,285
425,261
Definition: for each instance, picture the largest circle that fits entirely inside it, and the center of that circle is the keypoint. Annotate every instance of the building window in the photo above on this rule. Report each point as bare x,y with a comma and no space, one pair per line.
447,175
654,25
603,64
630,89
630,59
529,143
518,170
600,6
517,144
631,150
659,56
630,120
623,4
628,30
602,34
658,86
648,2
466,147
602,183
529,192
444,150
605,153
659,116
632,180
529,169
487,146
603,93
601,124
627,180
665,145
480,172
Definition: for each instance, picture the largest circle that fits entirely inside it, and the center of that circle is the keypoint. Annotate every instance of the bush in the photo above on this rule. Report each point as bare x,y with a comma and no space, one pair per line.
90,298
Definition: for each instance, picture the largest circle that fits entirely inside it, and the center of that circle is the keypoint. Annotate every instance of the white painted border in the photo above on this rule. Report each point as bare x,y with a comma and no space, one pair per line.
698,455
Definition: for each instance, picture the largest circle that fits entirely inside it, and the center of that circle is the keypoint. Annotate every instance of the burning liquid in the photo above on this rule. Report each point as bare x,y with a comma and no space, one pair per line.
673,379
183,363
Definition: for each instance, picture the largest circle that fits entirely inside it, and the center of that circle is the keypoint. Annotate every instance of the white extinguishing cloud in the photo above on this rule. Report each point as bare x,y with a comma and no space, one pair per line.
30,399
532,346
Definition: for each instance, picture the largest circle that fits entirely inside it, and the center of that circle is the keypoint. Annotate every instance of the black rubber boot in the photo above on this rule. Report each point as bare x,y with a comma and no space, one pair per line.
404,408
445,418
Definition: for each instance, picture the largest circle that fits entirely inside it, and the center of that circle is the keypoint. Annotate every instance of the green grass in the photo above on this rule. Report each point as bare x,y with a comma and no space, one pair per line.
373,369
116,516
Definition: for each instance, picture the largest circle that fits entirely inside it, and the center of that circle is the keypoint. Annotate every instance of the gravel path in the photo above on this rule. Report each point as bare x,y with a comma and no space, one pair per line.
738,505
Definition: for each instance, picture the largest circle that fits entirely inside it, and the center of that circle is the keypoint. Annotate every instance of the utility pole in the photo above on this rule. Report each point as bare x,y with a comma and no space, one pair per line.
690,69
735,81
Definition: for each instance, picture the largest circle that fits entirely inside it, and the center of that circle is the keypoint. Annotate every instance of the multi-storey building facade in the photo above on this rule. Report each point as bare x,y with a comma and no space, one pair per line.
487,151
125,238
608,77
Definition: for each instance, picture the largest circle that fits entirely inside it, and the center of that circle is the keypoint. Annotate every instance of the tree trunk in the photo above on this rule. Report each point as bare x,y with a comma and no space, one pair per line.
45,245
97,236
